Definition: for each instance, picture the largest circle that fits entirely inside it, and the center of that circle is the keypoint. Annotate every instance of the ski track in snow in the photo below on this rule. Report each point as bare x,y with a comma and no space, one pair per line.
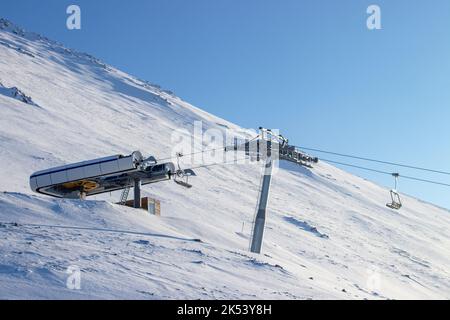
329,234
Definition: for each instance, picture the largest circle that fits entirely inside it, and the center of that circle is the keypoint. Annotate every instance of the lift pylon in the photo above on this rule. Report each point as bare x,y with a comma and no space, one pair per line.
270,147
260,217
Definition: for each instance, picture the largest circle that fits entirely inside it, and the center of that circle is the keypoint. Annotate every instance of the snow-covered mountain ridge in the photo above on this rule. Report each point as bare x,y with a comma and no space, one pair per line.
329,234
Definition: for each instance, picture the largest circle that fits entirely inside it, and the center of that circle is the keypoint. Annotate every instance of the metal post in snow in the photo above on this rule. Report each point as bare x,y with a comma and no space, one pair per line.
137,193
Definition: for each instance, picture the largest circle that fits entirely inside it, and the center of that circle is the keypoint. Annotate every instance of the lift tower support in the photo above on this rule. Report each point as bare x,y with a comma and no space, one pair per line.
260,218
270,147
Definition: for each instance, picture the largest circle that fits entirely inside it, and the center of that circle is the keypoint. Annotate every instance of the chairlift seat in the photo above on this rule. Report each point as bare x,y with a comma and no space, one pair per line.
181,177
183,184
396,203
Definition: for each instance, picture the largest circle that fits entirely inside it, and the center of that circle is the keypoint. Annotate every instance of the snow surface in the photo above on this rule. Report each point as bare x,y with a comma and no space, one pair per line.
328,233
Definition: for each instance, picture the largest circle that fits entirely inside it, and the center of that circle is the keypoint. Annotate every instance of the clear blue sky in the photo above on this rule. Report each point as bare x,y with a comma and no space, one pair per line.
310,68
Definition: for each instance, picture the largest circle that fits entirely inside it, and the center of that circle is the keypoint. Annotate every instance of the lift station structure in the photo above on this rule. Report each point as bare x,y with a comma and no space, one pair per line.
119,172
88,178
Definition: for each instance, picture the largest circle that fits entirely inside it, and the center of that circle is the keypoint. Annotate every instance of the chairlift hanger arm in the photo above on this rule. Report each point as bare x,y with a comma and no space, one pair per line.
181,176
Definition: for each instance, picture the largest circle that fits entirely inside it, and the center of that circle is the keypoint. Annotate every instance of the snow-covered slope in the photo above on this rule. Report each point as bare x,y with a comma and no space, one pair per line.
328,235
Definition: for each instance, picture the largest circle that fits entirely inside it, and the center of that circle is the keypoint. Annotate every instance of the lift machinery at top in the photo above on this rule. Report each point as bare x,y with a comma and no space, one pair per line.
87,178
269,143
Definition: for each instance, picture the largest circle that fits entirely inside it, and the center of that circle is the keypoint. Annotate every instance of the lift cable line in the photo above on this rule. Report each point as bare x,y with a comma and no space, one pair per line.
385,172
340,155
337,162
220,163
204,151
191,154
375,160
425,180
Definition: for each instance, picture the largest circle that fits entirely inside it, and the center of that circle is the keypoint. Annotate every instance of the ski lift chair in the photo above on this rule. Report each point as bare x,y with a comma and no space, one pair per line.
181,176
395,203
